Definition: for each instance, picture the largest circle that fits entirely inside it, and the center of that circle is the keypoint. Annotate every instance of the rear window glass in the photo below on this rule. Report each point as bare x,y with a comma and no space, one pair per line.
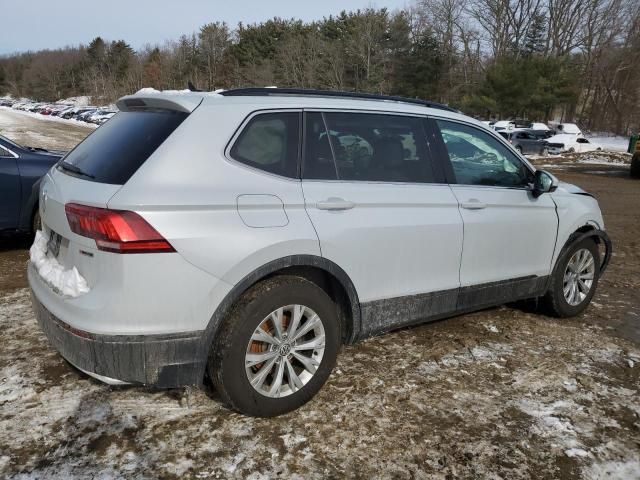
114,152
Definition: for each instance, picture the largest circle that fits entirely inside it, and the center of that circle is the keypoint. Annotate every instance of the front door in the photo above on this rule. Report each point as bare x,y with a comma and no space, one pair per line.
509,236
9,190
372,195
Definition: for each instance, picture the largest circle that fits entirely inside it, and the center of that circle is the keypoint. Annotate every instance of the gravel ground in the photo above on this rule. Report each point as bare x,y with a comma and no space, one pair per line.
502,393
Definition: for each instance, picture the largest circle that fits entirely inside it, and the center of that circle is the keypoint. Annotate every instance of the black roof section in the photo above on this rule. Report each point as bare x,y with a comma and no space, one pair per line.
265,91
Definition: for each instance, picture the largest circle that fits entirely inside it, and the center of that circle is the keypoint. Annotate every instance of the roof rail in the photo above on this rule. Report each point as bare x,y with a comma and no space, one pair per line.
267,91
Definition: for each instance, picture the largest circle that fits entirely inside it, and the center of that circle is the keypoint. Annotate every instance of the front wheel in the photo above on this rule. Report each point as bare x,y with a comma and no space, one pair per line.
574,282
277,347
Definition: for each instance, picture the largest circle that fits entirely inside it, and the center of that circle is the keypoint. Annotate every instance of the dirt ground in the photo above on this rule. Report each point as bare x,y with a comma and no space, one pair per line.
500,394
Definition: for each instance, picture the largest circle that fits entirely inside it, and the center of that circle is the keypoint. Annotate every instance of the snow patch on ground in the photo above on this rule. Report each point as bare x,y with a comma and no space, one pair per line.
614,470
614,143
596,159
69,282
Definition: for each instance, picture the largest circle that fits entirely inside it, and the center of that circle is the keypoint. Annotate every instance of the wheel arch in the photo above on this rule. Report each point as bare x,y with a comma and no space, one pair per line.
589,229
320,271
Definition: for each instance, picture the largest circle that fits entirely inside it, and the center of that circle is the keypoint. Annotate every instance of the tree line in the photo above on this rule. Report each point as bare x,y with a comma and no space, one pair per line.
536,59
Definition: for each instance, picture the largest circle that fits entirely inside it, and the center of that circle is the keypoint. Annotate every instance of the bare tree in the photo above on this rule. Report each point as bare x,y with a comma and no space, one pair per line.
214,39
566,18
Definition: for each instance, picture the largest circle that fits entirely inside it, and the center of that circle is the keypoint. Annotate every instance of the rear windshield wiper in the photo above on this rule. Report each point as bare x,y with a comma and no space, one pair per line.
73,169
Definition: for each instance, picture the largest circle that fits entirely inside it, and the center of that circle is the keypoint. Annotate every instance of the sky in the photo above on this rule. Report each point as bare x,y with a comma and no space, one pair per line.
39,24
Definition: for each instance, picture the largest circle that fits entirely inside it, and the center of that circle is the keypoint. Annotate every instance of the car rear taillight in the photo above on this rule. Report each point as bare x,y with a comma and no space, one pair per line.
117,231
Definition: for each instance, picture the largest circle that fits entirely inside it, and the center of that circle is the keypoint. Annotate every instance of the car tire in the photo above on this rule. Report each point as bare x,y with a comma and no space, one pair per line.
635,166
561,300
571,150
240,343
519,149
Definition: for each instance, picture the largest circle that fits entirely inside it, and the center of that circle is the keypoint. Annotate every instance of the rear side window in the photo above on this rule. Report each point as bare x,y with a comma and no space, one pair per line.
366,147
269,142
114,152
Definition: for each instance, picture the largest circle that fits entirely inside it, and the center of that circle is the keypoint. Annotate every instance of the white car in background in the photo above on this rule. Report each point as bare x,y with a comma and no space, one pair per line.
244,236
507,125
539,126
569,129
571,143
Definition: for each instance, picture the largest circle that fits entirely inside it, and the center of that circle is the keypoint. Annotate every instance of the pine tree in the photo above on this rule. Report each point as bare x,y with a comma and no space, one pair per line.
534,40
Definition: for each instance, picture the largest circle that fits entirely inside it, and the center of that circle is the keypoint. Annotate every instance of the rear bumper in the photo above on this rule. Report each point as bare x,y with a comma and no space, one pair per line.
165,361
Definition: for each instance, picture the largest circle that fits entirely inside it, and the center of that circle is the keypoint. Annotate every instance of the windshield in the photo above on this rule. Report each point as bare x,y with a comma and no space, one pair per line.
11,143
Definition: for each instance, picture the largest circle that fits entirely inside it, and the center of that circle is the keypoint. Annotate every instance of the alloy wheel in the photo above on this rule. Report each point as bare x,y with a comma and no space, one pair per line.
578,277
285,351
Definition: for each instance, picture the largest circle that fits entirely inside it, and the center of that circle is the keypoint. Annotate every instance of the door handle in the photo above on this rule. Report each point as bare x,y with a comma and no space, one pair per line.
335,203
473,204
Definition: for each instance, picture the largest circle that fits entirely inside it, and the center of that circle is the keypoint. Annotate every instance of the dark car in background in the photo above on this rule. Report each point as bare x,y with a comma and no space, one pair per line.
526,141
21,169
541,134
77,111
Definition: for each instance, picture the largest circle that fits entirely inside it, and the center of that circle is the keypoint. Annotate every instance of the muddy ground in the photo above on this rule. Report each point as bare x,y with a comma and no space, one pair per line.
502,393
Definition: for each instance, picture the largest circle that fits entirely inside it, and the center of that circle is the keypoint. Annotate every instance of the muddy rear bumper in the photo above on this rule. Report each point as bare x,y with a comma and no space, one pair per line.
164,361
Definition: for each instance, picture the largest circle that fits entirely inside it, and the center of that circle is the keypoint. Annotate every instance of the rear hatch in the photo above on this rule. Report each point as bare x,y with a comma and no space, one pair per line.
92,173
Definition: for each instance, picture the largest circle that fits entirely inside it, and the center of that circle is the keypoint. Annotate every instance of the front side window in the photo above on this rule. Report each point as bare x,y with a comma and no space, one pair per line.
366,147
479,159
269,142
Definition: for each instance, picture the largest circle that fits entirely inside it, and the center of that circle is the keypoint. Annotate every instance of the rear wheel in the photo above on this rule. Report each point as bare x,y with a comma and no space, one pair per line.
574,282
519,149
277,347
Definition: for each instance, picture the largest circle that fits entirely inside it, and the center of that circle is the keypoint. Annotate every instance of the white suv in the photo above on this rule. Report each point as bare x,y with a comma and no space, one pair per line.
246,235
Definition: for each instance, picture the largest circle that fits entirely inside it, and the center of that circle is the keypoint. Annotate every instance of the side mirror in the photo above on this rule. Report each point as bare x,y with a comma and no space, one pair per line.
544,182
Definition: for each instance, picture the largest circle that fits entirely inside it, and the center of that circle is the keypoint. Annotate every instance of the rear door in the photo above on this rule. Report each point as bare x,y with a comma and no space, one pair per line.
9,190
383,213
508,234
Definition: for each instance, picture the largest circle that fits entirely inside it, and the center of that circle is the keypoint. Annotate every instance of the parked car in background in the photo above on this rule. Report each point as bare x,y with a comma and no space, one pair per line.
104,118
84,116
568,128
62,110
521,123
75,112
507,125
541,134
250,233
570,143
21,169
100,116
539,126
526,142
